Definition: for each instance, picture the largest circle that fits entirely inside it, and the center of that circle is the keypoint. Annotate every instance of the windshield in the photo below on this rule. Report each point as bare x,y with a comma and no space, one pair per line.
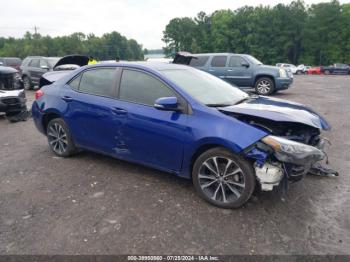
52,61
254,60
205,87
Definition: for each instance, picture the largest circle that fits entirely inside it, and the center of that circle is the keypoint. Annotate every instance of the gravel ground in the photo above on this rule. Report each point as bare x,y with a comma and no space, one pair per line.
93,204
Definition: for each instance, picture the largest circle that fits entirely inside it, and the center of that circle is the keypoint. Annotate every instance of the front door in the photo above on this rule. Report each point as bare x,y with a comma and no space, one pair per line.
151,136
239,72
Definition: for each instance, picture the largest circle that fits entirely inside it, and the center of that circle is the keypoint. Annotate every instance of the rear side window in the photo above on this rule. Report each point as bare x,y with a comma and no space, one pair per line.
199,61
219,61
142,88
74,84
98,82
34,63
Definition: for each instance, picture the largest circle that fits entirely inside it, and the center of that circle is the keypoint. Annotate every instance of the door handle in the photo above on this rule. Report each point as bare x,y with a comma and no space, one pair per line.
67,98
119,111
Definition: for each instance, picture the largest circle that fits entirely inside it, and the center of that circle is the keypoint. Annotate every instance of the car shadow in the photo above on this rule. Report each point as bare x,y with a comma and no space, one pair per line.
172,182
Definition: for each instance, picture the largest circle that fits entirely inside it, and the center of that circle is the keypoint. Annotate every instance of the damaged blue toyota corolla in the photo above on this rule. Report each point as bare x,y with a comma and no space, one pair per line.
184,121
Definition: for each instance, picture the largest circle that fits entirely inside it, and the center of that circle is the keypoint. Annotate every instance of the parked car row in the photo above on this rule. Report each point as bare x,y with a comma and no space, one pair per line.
335,69
299,70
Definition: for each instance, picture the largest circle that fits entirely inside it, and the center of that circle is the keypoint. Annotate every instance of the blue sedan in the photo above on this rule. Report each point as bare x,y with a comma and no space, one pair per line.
184,121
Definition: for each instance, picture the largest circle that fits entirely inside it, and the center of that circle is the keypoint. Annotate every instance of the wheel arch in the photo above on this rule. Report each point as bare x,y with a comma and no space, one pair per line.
47,118
207,145
257,77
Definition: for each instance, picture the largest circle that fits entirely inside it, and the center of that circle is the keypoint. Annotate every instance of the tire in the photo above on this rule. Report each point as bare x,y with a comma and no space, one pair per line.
327,72
60,139
232,186
264,86
27,83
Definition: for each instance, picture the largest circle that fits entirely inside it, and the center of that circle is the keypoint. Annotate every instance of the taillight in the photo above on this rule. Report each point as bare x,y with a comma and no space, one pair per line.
38,94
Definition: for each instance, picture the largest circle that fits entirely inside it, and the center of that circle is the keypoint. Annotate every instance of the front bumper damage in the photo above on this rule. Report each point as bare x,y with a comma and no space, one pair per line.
14,107
274,168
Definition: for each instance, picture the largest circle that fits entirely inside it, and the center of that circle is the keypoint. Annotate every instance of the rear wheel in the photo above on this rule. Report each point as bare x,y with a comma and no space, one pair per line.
27,84
264,86
59,138
223,179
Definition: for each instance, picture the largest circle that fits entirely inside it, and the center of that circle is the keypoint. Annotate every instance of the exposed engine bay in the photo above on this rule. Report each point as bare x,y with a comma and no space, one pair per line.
291,151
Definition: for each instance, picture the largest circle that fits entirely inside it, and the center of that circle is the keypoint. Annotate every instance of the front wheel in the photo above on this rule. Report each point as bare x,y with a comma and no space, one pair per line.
223,179
264,86
59,138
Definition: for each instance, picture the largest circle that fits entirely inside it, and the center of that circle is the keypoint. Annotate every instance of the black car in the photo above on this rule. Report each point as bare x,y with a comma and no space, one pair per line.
33,67
12,95
13,62
336,69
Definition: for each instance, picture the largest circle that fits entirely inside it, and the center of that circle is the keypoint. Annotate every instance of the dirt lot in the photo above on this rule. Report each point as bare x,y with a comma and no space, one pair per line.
92,204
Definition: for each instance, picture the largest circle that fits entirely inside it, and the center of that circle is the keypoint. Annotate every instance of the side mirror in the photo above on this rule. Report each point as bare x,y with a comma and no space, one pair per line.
166,104
44,67
245,64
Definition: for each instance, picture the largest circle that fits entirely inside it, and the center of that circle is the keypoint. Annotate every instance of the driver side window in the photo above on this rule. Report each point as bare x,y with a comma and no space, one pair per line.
236,61
142,88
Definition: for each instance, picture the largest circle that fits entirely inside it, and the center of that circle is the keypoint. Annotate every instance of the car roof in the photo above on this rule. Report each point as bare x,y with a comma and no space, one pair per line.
211,54
157,66
42,57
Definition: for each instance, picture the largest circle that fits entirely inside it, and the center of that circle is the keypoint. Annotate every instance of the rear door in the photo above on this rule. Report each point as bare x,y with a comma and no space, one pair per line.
92,109
238,73
217,66
150,136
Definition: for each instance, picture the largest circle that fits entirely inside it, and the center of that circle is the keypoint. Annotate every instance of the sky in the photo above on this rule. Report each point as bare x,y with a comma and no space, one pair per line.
142,20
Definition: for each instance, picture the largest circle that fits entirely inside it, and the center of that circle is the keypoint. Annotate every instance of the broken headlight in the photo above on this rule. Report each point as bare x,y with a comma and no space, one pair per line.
293,152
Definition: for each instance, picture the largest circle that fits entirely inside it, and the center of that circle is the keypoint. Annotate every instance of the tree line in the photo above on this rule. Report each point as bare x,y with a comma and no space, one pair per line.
315,35
107,47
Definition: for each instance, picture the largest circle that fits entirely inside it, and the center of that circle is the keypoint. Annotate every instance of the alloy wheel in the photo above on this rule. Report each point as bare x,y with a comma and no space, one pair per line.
264,87
57,137
221,179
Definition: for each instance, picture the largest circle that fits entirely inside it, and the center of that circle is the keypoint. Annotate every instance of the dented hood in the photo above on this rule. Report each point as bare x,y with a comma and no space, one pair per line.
278,110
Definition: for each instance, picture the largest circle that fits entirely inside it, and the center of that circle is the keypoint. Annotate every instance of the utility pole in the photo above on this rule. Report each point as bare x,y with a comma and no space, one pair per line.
36,29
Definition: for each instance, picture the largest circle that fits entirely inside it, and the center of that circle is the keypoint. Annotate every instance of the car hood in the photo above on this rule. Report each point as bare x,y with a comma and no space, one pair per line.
7,93
183,58
4,70
269,67
278,110
80,60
